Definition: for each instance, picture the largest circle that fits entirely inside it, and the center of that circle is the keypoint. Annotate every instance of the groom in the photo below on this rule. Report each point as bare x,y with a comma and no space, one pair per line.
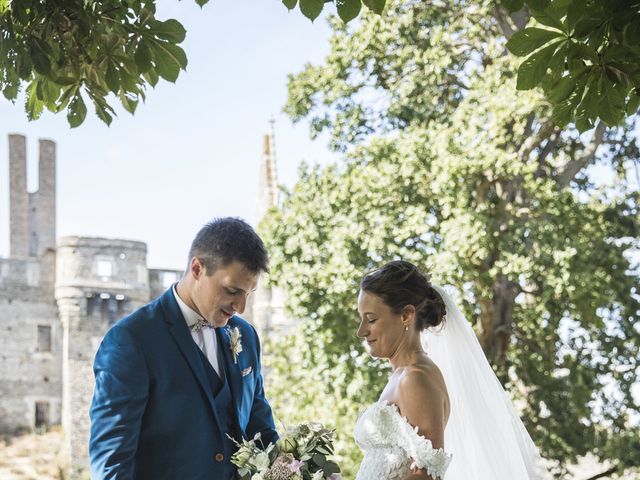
179,376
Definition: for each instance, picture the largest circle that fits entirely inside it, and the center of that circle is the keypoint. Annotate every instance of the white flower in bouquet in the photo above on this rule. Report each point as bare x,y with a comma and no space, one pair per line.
261,461
302,453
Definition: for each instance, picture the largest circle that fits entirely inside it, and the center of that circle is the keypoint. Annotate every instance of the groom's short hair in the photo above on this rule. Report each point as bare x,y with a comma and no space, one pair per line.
229,239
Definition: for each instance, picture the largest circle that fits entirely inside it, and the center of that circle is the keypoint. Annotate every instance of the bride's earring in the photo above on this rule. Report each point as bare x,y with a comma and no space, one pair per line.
406,327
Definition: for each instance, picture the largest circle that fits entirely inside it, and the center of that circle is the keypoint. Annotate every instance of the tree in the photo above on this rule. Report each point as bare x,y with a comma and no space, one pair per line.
449,166
584,53
586,56
66,52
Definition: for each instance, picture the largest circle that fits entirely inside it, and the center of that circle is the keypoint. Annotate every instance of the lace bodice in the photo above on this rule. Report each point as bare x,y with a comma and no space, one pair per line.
392,446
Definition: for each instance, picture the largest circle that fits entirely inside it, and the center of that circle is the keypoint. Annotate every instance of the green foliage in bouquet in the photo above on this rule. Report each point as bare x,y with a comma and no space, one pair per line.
300,454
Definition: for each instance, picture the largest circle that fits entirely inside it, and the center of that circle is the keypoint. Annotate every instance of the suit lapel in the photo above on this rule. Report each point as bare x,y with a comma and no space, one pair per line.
182,336
234,376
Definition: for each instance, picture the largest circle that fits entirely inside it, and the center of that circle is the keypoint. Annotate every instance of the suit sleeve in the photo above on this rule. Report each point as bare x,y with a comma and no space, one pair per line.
119,400
261,418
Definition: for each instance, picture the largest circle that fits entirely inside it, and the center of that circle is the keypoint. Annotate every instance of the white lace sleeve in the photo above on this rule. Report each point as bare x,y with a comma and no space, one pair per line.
434,461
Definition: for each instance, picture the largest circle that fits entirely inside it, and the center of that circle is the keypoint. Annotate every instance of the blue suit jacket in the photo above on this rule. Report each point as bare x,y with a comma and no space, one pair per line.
153,414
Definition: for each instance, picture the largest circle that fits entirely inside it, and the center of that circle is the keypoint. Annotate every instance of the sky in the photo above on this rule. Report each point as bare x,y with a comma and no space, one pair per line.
192,151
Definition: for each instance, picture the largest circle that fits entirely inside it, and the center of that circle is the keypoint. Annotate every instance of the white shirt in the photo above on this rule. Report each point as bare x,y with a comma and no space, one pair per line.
205,338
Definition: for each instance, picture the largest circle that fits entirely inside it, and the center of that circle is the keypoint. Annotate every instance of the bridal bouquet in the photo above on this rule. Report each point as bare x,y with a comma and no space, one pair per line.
300,454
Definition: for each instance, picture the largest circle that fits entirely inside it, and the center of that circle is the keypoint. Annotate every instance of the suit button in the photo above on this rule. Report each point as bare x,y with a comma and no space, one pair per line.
219,457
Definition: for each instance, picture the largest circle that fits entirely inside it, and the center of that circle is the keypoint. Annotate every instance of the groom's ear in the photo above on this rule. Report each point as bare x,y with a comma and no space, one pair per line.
196,267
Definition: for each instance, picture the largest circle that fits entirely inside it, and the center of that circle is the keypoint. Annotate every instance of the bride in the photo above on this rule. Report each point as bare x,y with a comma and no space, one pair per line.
443,410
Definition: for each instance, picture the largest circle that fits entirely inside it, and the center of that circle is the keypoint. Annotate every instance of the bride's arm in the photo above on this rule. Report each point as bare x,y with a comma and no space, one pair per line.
423,402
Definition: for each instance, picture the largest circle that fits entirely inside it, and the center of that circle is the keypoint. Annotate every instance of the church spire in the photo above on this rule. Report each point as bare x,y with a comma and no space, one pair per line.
268,182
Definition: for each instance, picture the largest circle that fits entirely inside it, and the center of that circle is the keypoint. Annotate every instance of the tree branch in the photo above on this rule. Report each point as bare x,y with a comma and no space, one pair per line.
603,474
544,132
510,24
546,150
528,129
504,22
574,166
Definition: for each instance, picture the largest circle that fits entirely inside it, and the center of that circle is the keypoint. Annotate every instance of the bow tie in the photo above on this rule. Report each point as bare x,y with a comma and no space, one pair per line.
200,324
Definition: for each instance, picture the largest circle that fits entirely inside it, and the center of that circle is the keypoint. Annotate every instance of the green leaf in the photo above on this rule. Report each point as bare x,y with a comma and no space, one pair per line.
330,467
612,103
348,9
129,102
103,114
562,89
77,111
558,9
33,106
631,34
633,104
586,111
112,77
12,85
579,50
169,59
290,4
533,69
50,92
143,57
41,61
375,5
311,8
170,30
513,5
557,64
537,4
152,77
103,109
586,26
202,3
147,13
64,99
575,14
530,39
548,18
562,112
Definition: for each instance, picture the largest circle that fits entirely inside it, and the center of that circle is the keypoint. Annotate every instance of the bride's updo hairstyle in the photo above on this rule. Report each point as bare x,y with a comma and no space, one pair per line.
399,284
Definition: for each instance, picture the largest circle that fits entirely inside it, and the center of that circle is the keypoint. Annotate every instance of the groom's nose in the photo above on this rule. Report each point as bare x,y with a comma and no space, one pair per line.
239,304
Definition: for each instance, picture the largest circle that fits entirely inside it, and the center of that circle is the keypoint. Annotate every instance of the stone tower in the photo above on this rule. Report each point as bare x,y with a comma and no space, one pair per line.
267,308
30,334
32,214
268,180
98,281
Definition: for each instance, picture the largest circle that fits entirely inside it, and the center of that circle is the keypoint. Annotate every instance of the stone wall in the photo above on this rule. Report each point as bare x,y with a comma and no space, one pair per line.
98,281
30,345
161,279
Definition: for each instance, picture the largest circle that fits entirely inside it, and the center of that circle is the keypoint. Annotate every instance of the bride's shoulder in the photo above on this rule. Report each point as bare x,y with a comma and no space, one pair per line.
423,380
422,398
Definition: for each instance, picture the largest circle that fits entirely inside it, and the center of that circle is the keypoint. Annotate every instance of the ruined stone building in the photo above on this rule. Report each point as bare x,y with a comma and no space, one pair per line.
58,298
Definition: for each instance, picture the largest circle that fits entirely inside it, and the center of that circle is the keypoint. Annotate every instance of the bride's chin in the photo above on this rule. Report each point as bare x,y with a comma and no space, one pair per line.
373,354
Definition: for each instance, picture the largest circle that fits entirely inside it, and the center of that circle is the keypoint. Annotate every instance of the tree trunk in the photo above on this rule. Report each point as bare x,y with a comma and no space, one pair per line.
496,319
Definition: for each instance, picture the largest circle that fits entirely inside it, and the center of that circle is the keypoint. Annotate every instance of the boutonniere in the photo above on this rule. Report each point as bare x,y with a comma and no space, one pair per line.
236,344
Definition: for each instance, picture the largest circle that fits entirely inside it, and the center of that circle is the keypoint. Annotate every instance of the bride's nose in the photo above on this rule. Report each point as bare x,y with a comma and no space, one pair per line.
362,331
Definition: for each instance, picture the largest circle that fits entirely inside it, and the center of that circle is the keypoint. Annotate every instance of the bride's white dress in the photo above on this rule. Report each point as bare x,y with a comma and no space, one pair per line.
392,447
